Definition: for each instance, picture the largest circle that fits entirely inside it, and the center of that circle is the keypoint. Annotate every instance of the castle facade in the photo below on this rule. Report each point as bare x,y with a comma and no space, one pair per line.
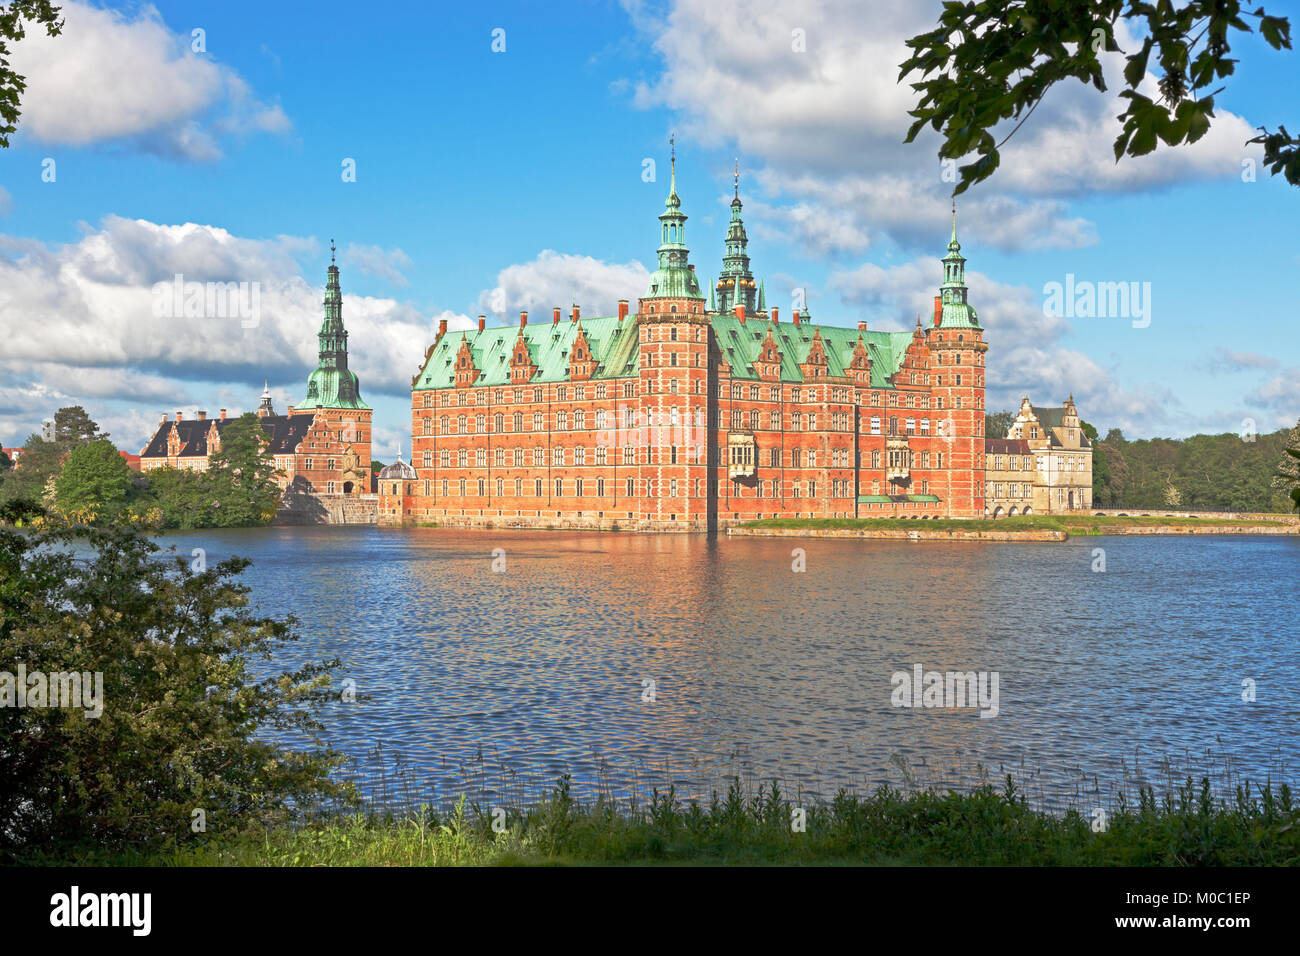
690,413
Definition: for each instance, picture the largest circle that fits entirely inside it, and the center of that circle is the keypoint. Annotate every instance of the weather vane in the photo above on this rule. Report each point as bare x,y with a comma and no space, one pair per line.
736,176
331,250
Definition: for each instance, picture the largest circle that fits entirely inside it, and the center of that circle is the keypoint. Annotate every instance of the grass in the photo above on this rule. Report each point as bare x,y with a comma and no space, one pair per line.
1073,524
1188,827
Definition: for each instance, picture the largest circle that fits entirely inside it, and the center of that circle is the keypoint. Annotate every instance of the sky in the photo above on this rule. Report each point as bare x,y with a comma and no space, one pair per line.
488,158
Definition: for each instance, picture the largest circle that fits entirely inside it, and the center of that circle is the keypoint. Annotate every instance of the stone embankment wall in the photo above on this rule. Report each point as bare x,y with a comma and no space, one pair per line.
905,534
300,508
1225,515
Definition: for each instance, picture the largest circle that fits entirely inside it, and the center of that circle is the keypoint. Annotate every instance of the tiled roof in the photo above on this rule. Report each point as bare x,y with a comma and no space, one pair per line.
1006,446
285,432
615,347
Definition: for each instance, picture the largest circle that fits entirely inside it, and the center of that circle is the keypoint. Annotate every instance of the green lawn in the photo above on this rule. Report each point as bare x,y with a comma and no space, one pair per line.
1189,828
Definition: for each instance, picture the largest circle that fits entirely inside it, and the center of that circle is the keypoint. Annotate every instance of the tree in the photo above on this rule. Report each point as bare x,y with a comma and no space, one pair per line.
184,497
94,482
996,60
997,424
184,715
73,427
242,474
13,28
34,474
1288,469
6,463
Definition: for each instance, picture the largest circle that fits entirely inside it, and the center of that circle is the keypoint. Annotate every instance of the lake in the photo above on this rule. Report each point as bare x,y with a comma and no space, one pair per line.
495,682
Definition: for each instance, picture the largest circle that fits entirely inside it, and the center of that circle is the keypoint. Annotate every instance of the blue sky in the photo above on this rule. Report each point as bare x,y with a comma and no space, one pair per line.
494,181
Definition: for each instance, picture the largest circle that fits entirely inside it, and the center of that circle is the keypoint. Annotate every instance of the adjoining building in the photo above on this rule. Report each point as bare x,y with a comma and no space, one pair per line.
1042,466
321,446
688,414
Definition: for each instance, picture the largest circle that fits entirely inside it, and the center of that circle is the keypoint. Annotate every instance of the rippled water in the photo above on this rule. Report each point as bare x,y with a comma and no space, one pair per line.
496,683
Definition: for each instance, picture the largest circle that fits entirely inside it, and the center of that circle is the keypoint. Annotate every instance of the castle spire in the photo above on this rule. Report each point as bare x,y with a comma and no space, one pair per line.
735,284
955,310
332,384
674,278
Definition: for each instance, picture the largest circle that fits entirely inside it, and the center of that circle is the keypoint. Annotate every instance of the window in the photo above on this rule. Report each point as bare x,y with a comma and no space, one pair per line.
557,457
774,421
428,426
501,489
559,487
519,457
428,460
499,458
580,455
499,423
875,425
577,487
519,421
629,455
480,457
631,488
482,488
539,456
537,487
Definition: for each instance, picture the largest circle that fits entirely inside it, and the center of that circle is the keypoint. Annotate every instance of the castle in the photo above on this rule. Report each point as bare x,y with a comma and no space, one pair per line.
690,414
320,447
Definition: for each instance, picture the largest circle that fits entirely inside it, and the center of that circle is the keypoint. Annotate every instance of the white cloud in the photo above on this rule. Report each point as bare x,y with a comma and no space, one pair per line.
377,261
560,279
826,126
1027,354
79,324
112,77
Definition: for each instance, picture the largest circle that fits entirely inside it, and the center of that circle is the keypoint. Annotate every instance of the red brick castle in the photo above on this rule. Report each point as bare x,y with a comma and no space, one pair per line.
690,414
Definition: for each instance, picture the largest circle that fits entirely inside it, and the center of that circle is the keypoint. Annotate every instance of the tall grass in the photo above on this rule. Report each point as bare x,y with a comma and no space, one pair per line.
986,827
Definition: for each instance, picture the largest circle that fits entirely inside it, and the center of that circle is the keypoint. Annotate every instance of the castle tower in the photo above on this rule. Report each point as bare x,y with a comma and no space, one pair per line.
957,348
340,432
673,385
735,284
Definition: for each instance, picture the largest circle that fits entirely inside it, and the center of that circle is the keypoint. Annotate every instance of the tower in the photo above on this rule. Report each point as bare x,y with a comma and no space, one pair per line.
673,385
957,349
735,284
340,432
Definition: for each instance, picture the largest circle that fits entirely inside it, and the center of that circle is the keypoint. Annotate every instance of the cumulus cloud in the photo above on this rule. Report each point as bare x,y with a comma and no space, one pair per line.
1031,355
826,126
382,263
114,77
560,279
96,319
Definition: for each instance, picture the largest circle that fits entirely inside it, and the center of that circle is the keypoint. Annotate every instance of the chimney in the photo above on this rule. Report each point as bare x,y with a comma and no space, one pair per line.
575,314
290,409
203,415
862,326
442,327
622,309
555,316
178,416
482,322
523,318
938,309
164,419
740,313
223,414
776,314
796,316
691,267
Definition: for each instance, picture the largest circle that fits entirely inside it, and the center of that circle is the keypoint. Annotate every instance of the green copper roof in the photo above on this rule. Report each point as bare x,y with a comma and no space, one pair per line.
674,278
615,348
332,384
955,311
741,342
